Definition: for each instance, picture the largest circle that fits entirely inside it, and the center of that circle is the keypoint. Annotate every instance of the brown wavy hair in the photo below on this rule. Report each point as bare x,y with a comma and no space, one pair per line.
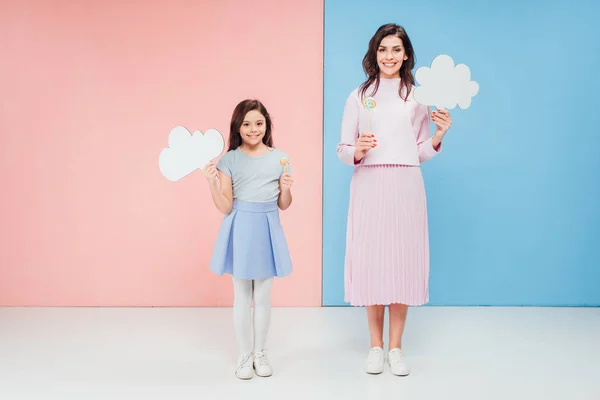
237,119
407,80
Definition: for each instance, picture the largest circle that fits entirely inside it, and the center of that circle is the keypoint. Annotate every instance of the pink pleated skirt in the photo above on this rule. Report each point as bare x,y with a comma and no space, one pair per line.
387,240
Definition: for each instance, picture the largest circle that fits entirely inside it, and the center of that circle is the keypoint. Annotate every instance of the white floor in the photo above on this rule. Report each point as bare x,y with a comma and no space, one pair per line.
189,353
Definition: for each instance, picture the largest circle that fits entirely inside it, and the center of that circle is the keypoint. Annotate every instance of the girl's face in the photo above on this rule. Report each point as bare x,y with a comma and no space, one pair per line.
390,55
253,128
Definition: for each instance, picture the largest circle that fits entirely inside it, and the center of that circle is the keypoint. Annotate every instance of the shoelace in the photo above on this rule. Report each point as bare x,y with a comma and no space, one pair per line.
374,356
396,357
242,364
262,358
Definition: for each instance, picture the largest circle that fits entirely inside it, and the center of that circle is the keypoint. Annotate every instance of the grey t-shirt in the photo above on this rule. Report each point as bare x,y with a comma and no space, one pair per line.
254,179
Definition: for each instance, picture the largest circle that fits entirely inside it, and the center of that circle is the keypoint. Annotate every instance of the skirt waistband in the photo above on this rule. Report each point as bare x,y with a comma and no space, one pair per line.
255,207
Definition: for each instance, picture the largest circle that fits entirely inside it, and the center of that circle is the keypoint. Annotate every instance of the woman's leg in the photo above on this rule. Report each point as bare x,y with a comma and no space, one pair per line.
375,360
375,316
398,313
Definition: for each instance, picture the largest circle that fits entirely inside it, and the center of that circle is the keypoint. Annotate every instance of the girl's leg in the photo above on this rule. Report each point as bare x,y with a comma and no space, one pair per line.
262,319
398,314
262,312
242,301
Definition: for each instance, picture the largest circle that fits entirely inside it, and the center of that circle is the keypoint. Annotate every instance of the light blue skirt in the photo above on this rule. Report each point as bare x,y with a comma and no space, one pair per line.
251,243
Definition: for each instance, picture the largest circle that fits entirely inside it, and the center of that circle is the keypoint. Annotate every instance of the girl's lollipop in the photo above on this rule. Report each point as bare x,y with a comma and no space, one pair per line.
369,103
284,163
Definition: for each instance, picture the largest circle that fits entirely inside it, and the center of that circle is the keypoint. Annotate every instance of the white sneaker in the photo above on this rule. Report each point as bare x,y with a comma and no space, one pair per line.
375,360
244,369
261,364
397,364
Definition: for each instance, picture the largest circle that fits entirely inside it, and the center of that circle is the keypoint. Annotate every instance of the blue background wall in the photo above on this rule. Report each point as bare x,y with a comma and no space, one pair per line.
514,198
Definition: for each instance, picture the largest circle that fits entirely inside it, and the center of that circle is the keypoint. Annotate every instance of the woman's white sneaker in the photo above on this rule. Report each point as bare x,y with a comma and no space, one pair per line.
375,361
397,364
262,365
244,369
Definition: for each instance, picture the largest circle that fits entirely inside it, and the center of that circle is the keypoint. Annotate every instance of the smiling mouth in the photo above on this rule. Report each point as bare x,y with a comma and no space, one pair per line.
389,65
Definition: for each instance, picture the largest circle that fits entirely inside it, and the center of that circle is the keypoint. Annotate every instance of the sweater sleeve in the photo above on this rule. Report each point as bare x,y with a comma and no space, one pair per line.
423,135
349,132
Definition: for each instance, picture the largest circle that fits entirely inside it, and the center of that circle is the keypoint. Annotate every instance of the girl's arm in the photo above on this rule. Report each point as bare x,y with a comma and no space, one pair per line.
221,188
222,193
285,191
285,200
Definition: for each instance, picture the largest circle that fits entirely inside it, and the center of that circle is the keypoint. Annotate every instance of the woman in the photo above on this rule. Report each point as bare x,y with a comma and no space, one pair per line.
385,135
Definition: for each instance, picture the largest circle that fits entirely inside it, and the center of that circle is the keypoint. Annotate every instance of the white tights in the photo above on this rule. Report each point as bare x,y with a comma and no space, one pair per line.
244,290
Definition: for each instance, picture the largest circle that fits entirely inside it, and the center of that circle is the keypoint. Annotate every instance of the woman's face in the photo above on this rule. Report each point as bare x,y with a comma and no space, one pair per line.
390,55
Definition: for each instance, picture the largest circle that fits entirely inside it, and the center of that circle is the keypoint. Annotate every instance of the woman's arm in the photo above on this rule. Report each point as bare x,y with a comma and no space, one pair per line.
428,148
346,148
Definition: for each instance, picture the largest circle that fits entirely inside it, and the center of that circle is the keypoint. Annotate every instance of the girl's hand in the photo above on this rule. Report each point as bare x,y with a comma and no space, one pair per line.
442,120
211,173
285,182
364,143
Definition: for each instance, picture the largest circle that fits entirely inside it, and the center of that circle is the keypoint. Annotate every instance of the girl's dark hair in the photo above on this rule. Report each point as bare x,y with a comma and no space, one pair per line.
239,113
371,68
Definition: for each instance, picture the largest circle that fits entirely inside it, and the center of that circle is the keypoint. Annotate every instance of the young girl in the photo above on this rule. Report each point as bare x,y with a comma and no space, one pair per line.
385,135
253,180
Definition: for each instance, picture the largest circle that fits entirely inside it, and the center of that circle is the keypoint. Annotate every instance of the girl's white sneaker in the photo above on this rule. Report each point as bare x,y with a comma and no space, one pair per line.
262,365
244,369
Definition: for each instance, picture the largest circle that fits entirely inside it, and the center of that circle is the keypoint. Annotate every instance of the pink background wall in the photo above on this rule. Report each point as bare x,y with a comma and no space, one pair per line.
89,93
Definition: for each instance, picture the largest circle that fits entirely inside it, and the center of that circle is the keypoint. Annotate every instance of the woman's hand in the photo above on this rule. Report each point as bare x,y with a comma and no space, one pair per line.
442,121
364,143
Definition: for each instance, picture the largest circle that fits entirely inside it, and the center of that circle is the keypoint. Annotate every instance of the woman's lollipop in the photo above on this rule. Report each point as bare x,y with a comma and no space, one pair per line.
369,103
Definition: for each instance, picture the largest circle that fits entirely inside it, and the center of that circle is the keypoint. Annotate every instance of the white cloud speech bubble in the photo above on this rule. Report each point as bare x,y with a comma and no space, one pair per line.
444,85
187,153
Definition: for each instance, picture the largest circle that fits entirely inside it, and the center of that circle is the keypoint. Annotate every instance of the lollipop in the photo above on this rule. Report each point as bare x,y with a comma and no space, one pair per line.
369,103
284,163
